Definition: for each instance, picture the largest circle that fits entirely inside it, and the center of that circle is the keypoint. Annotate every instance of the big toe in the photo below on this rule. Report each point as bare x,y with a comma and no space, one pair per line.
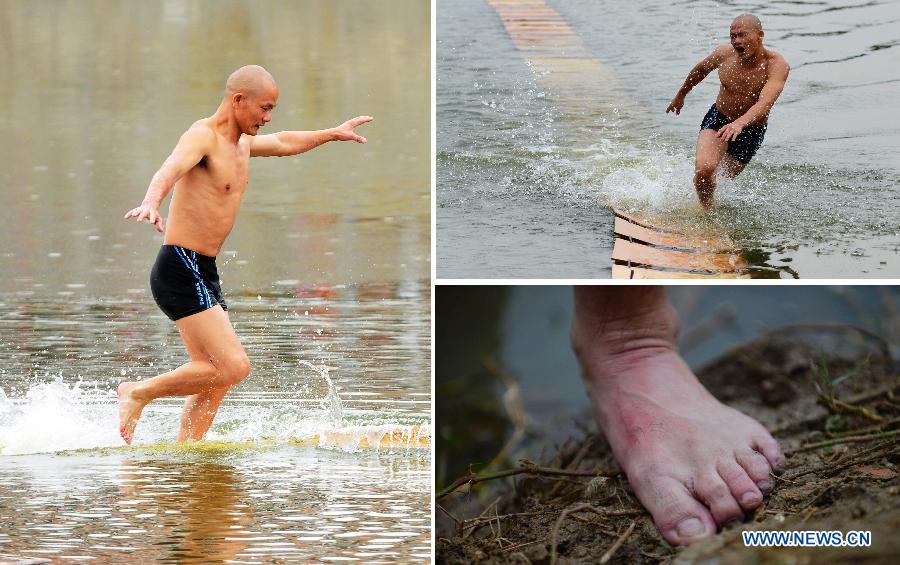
680,517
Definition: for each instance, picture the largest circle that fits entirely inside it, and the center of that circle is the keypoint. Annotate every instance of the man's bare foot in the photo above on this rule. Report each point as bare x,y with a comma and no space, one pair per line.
129,410
693,462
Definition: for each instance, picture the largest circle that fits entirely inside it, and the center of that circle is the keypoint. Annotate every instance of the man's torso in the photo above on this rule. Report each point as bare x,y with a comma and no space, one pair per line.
206,200
741,84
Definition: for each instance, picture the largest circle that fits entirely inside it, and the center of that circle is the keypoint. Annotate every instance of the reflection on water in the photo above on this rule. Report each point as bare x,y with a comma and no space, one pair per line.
212,506
523,180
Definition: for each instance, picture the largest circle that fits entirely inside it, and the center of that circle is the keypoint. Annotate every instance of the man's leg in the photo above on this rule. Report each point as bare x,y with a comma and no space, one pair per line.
217,361
710,150
693,462
732,167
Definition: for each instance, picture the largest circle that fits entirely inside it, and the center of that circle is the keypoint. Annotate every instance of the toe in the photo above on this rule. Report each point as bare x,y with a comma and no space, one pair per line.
742,487
757,467
680,517
713,492
771,450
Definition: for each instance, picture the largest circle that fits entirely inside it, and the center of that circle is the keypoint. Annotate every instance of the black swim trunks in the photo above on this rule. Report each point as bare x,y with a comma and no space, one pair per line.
747,143
184,282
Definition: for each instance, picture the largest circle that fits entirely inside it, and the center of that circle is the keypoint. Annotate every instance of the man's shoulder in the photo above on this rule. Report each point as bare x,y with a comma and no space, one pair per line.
724,51
201,132
777,62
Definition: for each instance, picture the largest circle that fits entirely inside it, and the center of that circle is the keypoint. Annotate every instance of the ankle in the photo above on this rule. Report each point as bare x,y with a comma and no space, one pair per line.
628,335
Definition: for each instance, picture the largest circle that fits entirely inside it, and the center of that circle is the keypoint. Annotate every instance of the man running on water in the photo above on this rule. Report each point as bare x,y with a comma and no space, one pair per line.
208,169
752,78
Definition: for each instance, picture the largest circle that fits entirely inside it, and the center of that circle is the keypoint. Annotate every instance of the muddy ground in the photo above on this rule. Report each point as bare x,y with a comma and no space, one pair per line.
831,395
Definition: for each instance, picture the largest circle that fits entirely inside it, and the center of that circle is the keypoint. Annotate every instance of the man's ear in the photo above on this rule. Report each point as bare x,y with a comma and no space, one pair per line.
236,98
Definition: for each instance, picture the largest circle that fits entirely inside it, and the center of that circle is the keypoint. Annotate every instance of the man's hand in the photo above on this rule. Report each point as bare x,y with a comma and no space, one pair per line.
147,212
344,132
729,132
676,105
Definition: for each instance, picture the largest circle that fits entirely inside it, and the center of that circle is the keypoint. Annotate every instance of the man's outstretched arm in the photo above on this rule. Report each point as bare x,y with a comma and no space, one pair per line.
696,76
193,145
287,143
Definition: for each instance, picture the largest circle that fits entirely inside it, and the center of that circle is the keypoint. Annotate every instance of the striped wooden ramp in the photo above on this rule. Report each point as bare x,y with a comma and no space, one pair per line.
559,58
644,251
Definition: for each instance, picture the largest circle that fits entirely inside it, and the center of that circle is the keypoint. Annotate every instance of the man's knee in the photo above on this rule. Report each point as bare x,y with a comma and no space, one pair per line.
234,368
705,170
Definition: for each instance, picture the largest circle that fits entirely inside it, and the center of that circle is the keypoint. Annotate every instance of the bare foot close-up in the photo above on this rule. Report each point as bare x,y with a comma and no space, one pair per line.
694,463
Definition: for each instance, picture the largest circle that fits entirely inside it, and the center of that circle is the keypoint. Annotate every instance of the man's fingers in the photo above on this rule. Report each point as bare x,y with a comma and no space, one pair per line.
360,120
360,139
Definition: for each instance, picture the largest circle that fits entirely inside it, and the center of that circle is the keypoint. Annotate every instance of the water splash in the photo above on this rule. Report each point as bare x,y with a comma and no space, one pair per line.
55,417
331,403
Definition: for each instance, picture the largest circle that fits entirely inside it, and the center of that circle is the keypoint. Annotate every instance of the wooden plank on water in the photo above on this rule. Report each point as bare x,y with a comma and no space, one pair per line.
374,437
635,218
654,257
634,231
625,272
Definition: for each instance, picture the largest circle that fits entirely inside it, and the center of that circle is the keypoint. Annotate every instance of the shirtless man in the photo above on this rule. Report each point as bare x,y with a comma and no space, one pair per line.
694,463
208,169
732,131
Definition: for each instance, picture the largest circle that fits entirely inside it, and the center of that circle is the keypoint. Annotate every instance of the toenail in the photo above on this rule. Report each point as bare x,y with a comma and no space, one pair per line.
690,527
749,498
765,485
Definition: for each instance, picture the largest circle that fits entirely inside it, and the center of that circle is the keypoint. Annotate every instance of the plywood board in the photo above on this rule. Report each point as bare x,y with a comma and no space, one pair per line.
654,257
625,272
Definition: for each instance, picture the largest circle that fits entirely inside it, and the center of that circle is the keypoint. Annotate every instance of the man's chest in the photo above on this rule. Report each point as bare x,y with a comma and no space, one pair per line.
743,80
224,171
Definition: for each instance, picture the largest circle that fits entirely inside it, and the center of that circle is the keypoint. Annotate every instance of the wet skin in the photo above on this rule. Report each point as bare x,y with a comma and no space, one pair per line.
751,80
694,463
208,170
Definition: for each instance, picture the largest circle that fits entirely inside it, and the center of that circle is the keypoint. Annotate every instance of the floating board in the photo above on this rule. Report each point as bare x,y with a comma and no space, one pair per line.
644,251
369,437
559,58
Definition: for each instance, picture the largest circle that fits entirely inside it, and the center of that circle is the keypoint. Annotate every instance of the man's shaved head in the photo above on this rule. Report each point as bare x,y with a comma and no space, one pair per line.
748,20
249,80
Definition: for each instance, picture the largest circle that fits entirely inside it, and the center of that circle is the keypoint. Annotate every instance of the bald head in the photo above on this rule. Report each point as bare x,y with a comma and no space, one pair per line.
249,80
748,20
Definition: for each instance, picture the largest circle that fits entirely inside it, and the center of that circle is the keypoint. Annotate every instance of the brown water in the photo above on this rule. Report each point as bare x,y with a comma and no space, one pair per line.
326,276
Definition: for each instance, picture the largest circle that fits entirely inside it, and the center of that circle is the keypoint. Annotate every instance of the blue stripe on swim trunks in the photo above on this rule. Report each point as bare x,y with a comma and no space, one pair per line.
204,295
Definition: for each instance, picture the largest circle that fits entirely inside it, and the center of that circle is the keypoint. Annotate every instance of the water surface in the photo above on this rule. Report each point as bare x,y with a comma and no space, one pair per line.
522,185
